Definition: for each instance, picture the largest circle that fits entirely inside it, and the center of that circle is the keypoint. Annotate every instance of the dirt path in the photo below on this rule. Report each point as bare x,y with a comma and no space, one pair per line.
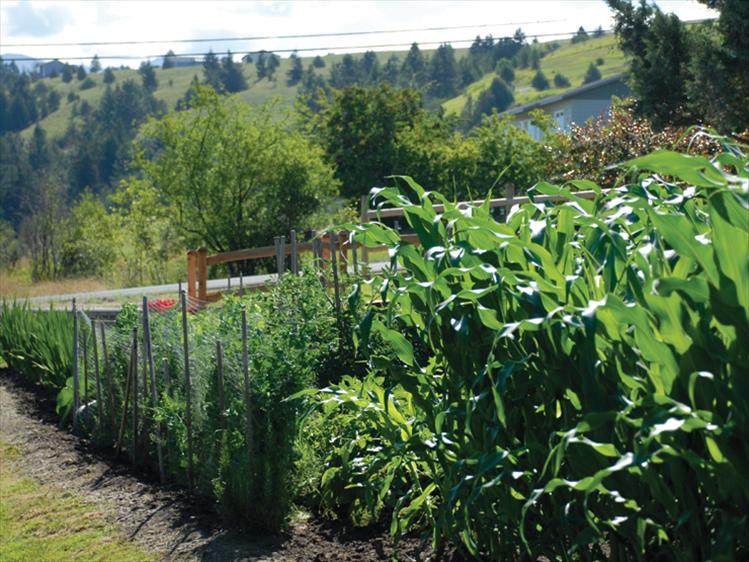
163,519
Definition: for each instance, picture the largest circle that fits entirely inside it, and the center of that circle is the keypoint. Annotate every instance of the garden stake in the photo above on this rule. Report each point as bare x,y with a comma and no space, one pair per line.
294,253
280,242
188,392
76,390
108,380
152,373
97,374
118,447
334,267
247,396
85,369
220,384
134,369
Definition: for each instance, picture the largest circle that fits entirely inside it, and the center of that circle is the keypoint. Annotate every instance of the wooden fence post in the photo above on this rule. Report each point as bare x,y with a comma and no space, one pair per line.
76,390
192,273
294,253
220,384
148,351
336,288
202,275
247,394
188,392
280,242
363,219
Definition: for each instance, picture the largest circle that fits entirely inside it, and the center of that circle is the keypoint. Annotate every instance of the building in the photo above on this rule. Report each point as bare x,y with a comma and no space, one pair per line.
51,68
574,106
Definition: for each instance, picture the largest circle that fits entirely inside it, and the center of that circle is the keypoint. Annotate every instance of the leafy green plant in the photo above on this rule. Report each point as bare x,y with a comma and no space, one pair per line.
585,382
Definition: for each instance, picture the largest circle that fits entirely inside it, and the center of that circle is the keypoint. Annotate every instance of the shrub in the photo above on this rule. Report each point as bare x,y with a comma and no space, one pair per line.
570,381
87,84
540,82
592,74
561,81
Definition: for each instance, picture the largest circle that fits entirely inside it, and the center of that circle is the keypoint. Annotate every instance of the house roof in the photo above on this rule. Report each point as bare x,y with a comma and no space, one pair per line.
572,92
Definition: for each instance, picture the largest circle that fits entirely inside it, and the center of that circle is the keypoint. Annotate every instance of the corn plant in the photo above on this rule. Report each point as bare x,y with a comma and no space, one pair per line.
571,383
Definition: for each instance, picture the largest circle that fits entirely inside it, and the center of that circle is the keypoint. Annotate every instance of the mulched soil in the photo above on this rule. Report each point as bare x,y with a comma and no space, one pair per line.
165,519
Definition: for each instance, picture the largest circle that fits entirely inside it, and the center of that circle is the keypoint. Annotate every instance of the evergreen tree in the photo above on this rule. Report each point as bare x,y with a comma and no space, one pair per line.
260,65
391,70
580,36
443,72
212,71
192,91
148,75
598,32
67,73
80,73
295,73
232,78
168,61
561,81
272,64
318,62
540,81
95,64
344,73
108,76
497,97
369,68
592,74
413,71
506,71
519,36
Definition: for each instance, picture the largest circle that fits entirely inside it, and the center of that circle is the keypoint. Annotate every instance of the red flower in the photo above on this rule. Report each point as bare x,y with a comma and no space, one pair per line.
161,305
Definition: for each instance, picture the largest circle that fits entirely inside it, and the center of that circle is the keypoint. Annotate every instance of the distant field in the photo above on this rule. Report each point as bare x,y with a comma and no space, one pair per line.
571,60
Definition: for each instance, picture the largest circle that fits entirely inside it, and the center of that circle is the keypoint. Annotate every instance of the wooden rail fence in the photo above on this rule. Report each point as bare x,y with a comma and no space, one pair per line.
323,247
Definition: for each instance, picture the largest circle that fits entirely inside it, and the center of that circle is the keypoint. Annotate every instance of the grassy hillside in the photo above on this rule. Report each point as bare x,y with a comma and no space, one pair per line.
570,59
174,82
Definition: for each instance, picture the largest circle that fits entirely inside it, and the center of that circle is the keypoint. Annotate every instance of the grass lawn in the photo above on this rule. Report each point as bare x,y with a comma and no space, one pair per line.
43,524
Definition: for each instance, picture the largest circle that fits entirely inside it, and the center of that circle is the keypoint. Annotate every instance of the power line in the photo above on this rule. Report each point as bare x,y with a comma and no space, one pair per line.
266,37
295,50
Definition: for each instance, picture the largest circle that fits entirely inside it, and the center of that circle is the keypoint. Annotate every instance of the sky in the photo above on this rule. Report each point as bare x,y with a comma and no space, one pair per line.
69,21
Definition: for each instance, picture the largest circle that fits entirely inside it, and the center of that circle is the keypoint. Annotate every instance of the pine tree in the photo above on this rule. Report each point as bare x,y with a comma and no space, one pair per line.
592,74
272,64
67,73
391,70
212,71
95,64
80,73
168,61
413,70
295,73
540,82
369,68
108,75
506,71
318,62
148,75
561,81
580,36
232,78
443,72
260,65
498,97
598,32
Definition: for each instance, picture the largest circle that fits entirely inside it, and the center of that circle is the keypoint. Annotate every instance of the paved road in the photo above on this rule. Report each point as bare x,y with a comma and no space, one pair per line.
248,281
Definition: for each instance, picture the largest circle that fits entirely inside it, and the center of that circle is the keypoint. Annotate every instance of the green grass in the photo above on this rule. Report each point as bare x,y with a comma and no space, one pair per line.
173,84
44,524
571,60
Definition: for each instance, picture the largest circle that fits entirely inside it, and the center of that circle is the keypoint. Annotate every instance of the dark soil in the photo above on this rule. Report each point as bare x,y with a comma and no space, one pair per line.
165,519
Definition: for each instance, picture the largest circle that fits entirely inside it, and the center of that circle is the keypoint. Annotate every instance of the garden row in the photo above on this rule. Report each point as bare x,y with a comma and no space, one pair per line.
570,383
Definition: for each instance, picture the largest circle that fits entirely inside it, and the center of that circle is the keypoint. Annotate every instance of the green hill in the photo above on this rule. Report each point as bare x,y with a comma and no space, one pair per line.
569,59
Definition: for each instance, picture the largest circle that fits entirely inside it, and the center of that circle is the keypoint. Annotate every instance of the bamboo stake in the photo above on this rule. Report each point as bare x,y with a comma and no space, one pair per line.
118,447
76,390
247,395
97,374
154,394
220,384
188,392
108,381
134,368
85,370
294,253
334,267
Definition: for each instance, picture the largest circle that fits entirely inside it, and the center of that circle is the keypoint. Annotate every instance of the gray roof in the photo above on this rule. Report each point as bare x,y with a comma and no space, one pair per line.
572,92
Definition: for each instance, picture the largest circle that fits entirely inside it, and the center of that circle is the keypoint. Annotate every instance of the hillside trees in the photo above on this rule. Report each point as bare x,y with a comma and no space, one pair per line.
232,175
443,72
295,73
148,75
592,74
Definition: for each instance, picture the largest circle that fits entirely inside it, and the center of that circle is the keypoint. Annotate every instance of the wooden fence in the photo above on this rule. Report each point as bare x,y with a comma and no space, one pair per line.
328,244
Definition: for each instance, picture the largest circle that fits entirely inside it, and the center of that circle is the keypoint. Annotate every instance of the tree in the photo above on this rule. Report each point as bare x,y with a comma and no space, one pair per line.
294,75
540,82
212,71
168,61
318,62
580,36
359,128
148,75
80,73
391,70
260,65
505,70
67,73
498,96
443,72
561,81
592,74
95,64
598,32
273,62
369,72
108,75
231,175
232,78
413,71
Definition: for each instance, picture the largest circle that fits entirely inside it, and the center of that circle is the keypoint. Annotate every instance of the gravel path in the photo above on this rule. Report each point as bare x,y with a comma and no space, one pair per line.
163,519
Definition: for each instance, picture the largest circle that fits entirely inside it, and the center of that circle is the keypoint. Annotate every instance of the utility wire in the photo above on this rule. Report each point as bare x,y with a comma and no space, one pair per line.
266,37
295,50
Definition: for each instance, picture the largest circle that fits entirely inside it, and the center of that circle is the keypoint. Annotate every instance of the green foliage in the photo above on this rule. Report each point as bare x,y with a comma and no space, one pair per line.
148,75
569,381
497,97
506,71
592,74
561,81
232,176
540,82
